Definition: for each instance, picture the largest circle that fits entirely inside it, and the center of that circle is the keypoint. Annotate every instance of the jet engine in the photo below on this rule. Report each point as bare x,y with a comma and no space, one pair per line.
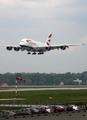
48,48
16,48
9,48
63,47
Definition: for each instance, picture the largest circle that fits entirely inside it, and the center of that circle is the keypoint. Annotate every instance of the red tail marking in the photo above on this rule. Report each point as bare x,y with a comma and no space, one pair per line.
50,36
47,43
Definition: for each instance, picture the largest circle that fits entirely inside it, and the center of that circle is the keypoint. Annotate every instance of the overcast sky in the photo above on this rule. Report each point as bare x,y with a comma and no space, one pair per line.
67,19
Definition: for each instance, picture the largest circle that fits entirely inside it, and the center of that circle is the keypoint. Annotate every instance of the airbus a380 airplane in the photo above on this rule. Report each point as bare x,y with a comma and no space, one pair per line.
32,46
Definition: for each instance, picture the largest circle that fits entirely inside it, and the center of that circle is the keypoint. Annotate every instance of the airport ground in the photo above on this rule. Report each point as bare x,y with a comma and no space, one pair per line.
46,95
82,115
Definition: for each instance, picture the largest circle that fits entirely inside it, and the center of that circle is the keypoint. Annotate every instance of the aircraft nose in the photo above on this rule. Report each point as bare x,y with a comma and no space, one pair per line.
21,42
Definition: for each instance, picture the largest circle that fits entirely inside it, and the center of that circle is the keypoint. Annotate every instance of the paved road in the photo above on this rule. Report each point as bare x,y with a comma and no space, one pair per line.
61,116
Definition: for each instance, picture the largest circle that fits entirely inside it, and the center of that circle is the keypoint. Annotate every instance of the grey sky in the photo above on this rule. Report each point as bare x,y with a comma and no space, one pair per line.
67,19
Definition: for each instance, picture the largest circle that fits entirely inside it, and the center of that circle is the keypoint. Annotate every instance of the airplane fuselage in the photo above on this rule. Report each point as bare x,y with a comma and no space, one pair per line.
31,45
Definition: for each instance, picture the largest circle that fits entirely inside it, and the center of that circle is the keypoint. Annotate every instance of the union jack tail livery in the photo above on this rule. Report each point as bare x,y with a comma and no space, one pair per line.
48,39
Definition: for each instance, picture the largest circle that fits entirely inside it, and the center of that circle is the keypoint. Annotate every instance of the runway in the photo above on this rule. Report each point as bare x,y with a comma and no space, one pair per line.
36,88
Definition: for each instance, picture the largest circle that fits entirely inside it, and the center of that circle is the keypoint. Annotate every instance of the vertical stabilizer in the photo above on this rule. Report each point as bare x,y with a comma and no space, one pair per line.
48,40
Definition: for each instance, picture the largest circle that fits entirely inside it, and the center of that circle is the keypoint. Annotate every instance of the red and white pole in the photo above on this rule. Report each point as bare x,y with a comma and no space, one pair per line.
16,87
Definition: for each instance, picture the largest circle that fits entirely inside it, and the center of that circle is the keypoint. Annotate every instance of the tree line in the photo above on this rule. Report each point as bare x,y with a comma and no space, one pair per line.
44,78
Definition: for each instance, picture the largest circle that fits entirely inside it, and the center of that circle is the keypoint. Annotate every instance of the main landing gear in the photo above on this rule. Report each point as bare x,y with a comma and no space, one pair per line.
34,53
40,53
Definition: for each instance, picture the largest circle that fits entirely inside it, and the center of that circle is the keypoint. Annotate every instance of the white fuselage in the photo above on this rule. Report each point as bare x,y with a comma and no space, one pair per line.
29,44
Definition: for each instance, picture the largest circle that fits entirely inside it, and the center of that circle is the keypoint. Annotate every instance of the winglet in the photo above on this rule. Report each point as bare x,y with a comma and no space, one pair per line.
83,44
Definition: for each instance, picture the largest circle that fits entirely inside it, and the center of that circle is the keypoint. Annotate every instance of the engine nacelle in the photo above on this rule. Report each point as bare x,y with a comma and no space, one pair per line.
16,48
48,48
62,47
9,48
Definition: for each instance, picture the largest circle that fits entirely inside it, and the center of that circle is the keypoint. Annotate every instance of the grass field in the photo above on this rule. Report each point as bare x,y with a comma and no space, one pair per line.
48,96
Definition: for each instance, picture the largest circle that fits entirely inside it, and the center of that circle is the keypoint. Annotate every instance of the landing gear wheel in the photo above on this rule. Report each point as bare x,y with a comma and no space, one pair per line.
34,53
29,53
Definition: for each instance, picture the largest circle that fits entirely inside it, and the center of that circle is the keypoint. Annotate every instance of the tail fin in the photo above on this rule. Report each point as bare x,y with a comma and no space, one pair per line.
48,40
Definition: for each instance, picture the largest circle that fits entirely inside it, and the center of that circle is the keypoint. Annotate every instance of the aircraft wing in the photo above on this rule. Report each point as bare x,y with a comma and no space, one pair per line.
64,46
40,49
52,47
60,46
